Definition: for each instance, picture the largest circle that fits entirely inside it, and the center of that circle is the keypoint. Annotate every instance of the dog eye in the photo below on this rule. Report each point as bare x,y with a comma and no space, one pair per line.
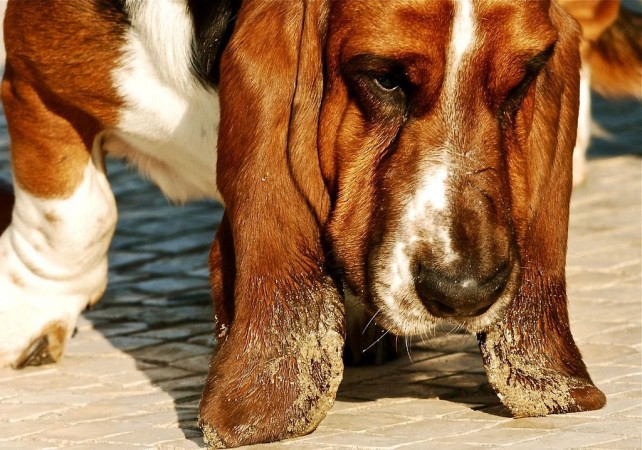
387,82
379,85
516,95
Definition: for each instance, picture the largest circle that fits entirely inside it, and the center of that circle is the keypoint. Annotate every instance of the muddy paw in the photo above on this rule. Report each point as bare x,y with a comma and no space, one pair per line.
531,383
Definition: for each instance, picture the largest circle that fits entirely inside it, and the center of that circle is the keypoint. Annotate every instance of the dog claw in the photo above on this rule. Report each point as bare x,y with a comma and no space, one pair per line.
46,349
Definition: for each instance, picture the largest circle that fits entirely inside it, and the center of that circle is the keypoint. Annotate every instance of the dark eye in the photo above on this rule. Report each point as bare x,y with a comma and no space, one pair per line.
387,81
379,86
516,96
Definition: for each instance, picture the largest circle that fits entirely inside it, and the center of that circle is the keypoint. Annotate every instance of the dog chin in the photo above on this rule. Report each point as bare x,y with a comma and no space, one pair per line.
485,321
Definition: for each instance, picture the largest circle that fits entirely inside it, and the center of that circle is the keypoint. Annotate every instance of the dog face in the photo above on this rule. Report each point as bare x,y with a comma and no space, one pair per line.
418,99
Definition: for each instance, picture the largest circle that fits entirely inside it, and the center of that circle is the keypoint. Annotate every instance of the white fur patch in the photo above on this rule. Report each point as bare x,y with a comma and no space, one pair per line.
168,126
426,217
432,195
165,31
399,271
423,223
463,32
462,41
53,260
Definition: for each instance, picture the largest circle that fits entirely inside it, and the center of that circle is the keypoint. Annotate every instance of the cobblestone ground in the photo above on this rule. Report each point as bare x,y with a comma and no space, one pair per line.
133,373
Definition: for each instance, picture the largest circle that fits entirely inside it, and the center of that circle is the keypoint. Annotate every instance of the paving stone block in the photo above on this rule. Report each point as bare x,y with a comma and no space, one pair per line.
19,429
181,444
170,352
362,422
122,328
26,445
96,413
83,432
572,439
423,408
635,442
500,436
148,436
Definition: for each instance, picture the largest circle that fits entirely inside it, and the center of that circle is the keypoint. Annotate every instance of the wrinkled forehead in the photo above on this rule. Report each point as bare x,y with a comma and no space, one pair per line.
435,28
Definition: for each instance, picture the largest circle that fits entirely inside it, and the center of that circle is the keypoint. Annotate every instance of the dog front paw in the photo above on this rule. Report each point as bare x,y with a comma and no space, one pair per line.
33,334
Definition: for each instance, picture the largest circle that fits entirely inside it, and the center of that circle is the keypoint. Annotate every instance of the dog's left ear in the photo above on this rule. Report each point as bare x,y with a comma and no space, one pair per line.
278,361
530,356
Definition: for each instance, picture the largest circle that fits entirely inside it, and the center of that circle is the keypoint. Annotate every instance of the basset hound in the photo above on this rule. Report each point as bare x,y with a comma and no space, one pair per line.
414,155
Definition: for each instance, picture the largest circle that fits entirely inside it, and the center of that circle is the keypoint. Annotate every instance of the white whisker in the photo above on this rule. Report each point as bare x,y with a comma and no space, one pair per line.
407,338
375,342
370,321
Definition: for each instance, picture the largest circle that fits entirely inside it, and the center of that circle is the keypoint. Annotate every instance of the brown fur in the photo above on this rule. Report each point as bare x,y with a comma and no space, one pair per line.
612,45
616,59
314,171
55,106
272,283
356,153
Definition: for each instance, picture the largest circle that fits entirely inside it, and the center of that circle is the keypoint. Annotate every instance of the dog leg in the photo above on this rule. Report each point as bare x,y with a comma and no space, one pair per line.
278,363
530,356
53,254
583,127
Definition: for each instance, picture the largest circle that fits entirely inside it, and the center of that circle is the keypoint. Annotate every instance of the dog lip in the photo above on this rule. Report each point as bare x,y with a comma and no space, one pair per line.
446,312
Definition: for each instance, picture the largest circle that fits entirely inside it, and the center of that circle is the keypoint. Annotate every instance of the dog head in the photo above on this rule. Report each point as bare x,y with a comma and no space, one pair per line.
409,163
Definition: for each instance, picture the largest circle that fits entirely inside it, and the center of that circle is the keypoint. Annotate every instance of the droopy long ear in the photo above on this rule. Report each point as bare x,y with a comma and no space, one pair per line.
278,363
530,356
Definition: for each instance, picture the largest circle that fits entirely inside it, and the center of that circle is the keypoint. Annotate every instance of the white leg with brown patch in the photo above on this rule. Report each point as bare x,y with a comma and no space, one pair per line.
53,263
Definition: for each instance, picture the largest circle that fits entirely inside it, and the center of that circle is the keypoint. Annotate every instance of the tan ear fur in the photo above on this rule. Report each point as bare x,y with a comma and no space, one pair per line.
530,356
278,362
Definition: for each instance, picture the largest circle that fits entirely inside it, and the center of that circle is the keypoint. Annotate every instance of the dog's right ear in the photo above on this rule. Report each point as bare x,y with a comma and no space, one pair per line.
530,355
278,362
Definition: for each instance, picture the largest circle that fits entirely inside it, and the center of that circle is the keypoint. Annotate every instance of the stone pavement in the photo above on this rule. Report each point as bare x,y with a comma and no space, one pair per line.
133,373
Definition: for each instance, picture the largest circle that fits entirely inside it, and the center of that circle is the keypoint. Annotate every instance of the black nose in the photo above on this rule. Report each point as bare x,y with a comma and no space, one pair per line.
465,295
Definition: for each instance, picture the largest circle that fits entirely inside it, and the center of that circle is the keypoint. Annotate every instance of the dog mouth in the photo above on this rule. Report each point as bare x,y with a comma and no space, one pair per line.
420,320
405,311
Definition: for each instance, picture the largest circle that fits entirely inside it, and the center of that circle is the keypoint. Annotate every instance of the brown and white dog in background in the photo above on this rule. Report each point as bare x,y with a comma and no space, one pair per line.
611,52
415,154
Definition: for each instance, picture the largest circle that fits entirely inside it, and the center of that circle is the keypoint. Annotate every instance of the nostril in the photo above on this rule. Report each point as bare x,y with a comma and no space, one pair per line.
464,295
